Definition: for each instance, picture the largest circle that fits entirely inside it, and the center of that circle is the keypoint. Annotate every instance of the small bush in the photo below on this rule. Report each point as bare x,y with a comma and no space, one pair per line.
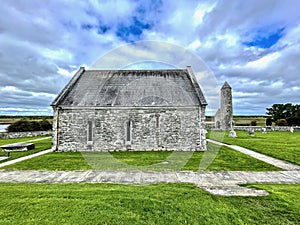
45,125
269,121
253,123
282,122
19,126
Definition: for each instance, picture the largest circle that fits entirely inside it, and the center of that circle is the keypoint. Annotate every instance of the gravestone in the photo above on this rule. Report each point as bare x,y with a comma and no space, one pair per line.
232,133
251,132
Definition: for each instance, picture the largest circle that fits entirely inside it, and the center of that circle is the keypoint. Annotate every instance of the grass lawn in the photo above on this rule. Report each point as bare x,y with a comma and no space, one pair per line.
6,141
143,204
39,146
278,144
221,159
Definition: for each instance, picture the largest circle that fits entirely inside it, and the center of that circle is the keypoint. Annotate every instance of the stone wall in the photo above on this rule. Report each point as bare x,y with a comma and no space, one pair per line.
25,134
269,128
128,129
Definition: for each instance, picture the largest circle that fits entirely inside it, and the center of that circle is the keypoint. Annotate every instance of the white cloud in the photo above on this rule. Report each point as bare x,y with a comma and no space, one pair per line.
264,61
42,43
201,10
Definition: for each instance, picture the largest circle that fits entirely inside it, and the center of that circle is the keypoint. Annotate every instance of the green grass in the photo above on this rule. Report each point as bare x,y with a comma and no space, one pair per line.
6,141
39,146
228,160
278,144
143,204
221,159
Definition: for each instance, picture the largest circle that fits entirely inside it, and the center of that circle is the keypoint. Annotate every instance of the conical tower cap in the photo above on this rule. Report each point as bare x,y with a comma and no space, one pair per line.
226,86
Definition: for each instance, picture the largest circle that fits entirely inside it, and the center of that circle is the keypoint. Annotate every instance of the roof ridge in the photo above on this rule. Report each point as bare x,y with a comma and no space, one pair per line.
87,70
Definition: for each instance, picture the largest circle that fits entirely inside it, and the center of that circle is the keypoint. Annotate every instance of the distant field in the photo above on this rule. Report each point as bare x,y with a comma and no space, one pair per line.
12,119
245,120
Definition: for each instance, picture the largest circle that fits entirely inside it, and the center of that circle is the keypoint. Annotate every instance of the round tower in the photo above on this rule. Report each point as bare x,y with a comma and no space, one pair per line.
226,106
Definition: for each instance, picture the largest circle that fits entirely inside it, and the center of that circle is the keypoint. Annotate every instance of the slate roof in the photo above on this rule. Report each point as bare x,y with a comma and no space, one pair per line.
171,87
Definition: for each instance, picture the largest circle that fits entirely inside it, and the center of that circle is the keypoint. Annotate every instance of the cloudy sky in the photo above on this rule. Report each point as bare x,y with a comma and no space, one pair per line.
252,44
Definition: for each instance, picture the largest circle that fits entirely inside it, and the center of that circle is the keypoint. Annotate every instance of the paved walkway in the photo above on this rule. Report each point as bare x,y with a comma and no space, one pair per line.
220,183
275,162
25,158
38,139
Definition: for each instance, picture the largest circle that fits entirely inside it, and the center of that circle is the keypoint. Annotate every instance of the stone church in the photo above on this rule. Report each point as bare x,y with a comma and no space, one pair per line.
139,110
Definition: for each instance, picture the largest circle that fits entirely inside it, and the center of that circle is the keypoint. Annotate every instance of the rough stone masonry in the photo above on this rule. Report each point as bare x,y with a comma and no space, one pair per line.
104,110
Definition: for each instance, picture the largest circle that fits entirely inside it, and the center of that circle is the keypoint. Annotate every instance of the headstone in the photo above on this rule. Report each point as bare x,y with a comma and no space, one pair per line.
251,132
232,133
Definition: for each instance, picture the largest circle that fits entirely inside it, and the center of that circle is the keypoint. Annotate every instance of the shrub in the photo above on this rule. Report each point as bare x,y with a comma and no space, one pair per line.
45,124
34,126
253,123
269,121
25,125
282,122
19,126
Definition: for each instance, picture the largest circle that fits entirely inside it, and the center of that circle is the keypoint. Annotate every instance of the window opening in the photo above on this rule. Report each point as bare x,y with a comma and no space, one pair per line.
90,131
128,131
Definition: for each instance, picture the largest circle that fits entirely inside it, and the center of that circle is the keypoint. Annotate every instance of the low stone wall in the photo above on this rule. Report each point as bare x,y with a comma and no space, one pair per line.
269,128
25,134
258,128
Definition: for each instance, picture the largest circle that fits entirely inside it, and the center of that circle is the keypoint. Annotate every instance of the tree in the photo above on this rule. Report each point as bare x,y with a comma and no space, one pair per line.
276,111
288,111
253,123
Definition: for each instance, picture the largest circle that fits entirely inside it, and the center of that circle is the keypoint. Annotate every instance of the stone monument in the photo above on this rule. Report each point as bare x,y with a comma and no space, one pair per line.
232,133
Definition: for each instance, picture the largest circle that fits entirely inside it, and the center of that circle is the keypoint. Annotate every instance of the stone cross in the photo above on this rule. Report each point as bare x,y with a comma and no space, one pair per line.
232,133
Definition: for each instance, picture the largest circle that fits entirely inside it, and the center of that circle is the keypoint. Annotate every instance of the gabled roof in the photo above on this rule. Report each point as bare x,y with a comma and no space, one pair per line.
170,87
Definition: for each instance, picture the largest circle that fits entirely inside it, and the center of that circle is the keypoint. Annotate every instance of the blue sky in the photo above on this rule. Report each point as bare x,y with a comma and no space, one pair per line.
252,44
